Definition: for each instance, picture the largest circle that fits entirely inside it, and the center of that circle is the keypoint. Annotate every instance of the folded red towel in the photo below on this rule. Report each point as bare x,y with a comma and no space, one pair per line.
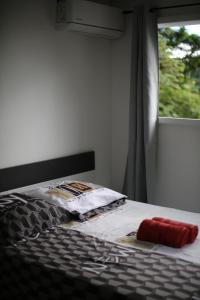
162,233
193,229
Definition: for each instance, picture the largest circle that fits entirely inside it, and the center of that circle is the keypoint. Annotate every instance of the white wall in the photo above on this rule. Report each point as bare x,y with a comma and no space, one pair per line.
178,178
55,100
178,181
55,89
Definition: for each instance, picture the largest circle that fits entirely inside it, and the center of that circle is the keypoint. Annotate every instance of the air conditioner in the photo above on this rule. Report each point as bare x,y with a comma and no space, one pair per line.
89,18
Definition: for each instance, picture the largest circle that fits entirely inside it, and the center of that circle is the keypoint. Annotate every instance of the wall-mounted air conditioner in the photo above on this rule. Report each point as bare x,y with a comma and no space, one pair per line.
90,18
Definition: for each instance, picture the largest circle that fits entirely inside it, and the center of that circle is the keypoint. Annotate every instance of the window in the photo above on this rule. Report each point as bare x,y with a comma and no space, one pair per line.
179,54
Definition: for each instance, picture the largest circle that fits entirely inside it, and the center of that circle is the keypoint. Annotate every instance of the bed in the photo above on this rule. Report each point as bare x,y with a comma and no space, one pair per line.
98,257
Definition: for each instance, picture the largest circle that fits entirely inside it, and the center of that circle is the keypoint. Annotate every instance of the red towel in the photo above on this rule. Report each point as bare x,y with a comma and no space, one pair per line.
192,228
162,233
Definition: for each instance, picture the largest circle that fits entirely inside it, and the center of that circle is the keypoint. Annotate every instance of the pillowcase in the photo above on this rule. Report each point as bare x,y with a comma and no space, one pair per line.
77,197
8,201
100,210
27,220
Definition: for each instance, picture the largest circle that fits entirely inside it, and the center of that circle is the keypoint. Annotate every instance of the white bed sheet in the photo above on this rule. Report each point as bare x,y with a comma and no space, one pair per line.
114,225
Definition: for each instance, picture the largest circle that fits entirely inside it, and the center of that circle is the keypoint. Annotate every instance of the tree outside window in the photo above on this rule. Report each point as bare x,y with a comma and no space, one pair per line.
179,54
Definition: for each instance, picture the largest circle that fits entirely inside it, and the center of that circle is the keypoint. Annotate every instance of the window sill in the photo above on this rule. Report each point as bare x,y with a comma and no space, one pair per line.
178,121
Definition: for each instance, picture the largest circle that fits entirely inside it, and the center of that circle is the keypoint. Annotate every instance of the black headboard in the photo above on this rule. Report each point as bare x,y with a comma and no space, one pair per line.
19,176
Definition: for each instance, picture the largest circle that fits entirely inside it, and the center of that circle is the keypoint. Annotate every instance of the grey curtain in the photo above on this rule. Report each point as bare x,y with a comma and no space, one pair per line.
140,177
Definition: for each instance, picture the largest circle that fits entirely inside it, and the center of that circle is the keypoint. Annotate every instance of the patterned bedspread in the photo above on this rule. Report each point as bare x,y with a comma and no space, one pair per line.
67,264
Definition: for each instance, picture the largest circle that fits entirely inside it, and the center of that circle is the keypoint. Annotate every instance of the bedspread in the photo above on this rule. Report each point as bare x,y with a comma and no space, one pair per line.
68,264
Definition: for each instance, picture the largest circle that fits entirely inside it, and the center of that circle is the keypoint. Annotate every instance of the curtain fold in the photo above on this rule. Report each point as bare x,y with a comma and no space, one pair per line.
140,176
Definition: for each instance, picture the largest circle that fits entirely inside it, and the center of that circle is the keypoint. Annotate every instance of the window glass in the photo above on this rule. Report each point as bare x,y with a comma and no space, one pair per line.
179,54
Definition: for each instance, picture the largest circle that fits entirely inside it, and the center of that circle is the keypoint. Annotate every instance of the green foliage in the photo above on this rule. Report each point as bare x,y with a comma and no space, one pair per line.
179,78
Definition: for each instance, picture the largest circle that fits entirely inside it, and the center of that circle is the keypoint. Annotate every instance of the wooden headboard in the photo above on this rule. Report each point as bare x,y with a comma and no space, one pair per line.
19,176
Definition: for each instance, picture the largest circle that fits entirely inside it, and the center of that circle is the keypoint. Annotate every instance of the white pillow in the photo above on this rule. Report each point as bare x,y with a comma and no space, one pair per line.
76,196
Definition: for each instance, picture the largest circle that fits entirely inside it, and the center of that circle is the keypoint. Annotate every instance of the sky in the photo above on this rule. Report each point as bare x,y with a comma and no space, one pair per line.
191,29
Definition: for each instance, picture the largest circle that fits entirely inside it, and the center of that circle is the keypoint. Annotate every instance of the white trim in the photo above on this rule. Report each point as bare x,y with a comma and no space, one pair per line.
179,23
178,121
183,14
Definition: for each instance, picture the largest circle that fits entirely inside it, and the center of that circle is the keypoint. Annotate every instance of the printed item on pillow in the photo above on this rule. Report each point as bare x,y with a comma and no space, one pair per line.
25,221
77,197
